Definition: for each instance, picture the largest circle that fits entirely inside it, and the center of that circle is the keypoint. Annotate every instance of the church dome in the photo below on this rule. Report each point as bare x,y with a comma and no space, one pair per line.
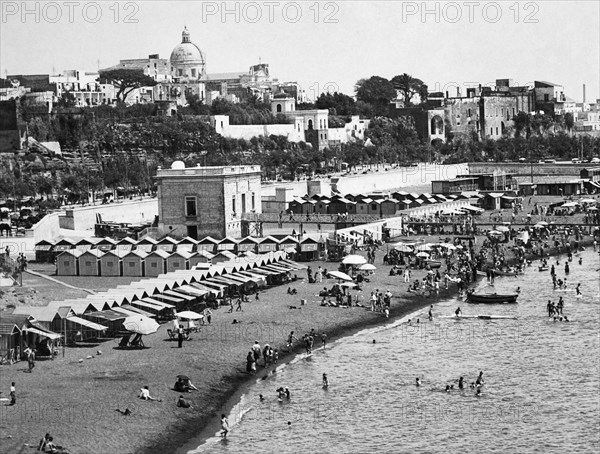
187,53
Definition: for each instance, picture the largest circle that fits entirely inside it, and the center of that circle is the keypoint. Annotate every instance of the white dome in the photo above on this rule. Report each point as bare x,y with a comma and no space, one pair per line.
186,53
178,165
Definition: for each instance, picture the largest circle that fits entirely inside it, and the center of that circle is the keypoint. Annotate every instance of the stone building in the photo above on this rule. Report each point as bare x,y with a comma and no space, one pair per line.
206,201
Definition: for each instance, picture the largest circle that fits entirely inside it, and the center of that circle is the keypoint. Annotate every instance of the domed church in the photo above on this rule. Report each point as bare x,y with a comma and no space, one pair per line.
188,62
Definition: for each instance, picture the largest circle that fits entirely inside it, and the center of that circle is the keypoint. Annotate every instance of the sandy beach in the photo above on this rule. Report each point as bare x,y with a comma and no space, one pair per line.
75,397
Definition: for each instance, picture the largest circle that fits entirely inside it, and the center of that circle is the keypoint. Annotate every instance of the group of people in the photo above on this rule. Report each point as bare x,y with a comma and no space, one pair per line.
381,302
477,384
268,354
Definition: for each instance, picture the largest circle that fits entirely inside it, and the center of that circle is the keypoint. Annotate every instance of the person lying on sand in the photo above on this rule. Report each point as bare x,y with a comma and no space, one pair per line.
145,395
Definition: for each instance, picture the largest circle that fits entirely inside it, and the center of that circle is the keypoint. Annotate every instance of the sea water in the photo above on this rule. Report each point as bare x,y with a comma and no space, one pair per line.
541,391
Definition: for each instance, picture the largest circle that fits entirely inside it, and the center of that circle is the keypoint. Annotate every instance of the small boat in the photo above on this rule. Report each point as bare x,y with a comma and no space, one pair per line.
504,273
543,268
492,298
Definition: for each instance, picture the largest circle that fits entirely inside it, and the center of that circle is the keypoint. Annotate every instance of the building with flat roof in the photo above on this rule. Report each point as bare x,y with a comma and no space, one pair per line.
206,201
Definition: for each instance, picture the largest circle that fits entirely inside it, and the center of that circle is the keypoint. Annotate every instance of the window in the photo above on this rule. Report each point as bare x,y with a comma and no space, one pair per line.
496,130
109,264
176,264
468,112
243,203
88,263
278,107
546,97
513,111
190,206
253,202
180,72
66,263
131,264
491,131
233,204
193,72
153,265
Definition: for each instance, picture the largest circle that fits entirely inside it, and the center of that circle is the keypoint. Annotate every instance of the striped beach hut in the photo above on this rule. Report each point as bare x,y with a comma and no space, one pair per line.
178,260
155,263
67,263
89,263
134,263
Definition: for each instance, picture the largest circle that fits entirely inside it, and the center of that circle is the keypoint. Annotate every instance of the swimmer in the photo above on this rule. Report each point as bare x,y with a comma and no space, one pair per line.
518,289
580,260
478,393
417,382
287,393
566,319
458,312
261,397
460,383
447,388
325,381
374,341
577,289
480,380
224,426
472,385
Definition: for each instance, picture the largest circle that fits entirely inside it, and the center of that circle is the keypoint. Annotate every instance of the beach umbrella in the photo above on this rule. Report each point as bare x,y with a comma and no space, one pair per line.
502,228
140,324
423,254
544,223
569,204
495,232
189,315
354,260
403,248
348,285
424,247
587,201
593,209
448,246
367,267
183,377
340,275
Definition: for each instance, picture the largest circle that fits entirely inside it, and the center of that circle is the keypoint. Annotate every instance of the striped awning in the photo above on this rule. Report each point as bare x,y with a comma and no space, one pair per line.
87,323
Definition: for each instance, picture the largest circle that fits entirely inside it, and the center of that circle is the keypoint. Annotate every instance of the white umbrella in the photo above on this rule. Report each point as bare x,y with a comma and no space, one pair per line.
423,254
544,223
140,324
354,260
367,267
448,246
403,248
340,275
423,247
587,201
348,285
569,204
502,228
495,232
189,315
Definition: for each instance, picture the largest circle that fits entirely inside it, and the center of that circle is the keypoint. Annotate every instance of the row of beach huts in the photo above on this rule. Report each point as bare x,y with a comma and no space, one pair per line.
101,315
151,258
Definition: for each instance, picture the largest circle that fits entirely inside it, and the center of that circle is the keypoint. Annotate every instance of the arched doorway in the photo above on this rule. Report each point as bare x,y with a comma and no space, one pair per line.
310,124
278,107
437,125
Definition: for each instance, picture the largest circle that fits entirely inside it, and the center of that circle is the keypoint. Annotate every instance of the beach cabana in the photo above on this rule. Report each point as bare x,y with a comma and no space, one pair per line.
227,244
187,244
133,263
106,244
64,245
155,263
309,249
207,244
200,257
247,244
178,260
125,245
44,251
84,245
89,263
268,244
111,263
167,244
223,256
113,320
67,263
11,337
146,244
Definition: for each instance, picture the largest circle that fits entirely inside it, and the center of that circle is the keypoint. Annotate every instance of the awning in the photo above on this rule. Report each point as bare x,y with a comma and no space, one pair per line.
124,311
255,277
264,272
240,277
109,315
279,270
133,310
42,333
172,299
154,303
87,323
224,280
293,264
218,285
43,247
192,291
205,288
181,296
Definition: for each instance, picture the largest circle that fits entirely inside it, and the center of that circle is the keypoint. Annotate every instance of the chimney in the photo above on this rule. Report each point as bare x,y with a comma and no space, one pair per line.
447,95
583,92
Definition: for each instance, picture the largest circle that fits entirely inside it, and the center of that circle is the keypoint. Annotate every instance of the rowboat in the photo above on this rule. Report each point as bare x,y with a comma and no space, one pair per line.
492,298
543,268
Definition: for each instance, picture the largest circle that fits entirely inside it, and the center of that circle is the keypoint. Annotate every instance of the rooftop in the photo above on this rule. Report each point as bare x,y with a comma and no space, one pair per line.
207,171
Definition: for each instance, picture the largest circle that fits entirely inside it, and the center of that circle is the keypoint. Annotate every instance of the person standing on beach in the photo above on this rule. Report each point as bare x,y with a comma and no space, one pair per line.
13,394
249,362
180,337
239,306
256,350
431,313
323,339
224,426
290,340
30,358
208,315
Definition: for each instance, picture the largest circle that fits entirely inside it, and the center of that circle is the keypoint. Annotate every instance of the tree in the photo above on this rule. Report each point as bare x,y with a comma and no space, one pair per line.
409,86
126,80
375,90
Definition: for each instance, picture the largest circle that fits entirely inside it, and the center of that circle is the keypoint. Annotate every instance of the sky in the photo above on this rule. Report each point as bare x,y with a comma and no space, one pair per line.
324,46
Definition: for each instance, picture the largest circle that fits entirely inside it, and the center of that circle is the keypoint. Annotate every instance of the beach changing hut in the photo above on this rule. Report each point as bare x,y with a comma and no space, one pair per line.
178,260
268,244
125,245
89,263
167,244
134,263
247,244
63,245
111,263
207,244
309,249
228,244
200,257
223,256
44,251
146,244
156,263
67,263
84,245
106,244
187,244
